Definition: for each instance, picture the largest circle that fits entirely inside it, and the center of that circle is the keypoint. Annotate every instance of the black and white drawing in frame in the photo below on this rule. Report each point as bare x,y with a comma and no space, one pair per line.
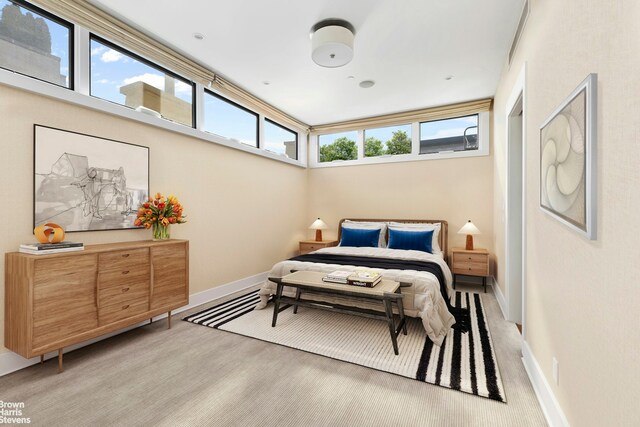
87,183
568,160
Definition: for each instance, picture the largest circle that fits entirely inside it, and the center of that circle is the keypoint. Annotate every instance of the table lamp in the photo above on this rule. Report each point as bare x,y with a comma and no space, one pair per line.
318,225
470,230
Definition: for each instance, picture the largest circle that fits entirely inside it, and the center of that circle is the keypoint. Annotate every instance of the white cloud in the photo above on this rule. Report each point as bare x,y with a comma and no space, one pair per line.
111,56
97,50
182,87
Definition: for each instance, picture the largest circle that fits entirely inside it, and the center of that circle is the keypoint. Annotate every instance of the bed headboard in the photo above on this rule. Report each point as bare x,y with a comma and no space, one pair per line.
443,237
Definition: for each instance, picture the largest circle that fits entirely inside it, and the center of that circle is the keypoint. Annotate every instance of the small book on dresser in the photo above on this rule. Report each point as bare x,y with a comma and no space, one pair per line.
50,248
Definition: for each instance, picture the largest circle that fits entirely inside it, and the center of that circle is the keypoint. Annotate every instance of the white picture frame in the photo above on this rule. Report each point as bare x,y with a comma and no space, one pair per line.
568,160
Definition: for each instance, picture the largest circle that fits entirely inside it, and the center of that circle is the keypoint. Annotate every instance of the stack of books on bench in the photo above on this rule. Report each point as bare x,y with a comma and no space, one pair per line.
366,278
50,248
338,276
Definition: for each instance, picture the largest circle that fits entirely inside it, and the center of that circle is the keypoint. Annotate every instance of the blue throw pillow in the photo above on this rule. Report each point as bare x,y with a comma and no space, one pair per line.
359,237
411,240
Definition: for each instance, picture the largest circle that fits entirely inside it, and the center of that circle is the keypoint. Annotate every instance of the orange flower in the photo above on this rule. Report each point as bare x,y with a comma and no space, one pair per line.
137,222
172,220
165,221
158,195
147,225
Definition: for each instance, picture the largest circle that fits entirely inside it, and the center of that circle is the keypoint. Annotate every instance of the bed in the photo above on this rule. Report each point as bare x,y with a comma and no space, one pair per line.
427,274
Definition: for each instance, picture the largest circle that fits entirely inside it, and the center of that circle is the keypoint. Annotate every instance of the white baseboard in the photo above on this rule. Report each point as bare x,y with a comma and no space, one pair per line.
11,362
502,302
550,406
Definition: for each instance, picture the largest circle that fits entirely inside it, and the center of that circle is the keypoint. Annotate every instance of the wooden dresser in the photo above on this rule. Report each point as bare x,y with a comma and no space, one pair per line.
57,300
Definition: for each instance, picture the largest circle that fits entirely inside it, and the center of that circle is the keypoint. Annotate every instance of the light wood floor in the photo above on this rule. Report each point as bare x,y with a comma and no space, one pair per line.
193,375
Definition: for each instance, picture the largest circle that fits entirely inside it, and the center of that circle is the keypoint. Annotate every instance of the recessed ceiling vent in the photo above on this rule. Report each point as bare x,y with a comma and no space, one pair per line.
332,43
521,24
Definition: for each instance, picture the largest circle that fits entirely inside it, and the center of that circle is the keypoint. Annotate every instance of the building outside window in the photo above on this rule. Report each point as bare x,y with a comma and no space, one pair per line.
124,78
457,134
35,43
280,140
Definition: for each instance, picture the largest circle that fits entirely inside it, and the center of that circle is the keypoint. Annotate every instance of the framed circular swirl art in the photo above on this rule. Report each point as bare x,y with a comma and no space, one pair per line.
568,160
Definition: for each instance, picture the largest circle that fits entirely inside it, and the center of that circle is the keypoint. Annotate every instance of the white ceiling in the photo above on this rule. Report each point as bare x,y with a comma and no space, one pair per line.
407,47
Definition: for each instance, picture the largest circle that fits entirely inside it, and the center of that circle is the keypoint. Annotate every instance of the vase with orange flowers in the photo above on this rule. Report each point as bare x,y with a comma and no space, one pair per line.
158,213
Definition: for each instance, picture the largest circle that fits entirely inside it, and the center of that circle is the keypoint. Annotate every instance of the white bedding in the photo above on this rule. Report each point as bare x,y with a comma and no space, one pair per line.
423,299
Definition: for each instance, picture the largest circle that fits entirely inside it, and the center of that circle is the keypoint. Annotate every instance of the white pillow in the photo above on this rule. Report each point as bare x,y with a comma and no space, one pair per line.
436,226
364,225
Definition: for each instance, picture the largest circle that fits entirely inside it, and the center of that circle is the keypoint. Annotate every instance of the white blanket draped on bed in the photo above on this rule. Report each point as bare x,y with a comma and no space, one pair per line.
423,299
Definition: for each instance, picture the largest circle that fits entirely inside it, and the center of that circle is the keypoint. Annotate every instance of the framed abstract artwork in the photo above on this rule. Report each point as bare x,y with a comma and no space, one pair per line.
568,160
87,183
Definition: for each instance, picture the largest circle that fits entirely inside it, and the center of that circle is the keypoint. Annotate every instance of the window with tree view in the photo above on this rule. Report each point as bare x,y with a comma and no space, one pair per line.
35,43
338,146
387,141
457,134
124,78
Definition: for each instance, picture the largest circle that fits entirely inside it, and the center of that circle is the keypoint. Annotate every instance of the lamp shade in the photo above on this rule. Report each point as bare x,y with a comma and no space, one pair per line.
318,224
469,229
332,46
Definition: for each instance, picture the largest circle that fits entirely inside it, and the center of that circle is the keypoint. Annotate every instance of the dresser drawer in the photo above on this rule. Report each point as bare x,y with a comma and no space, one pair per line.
124,292
123,276
123,260
113,313
310,247
464,257
471,268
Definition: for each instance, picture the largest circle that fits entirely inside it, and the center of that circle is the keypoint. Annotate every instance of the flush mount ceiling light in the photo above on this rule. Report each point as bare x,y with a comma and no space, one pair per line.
366,84
332,43
198,36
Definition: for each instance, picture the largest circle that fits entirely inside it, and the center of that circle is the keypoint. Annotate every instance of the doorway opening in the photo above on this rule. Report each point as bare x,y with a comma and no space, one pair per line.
515,212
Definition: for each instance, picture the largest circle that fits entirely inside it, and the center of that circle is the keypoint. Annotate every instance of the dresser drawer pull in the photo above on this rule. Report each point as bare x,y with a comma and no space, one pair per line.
125,290
124,307
469,268
125,272
125,255
469,258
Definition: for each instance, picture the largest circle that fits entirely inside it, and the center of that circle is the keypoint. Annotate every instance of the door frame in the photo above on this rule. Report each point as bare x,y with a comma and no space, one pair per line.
518,95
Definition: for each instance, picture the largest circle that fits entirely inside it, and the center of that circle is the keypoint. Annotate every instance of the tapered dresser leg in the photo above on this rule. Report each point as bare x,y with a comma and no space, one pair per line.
151,320
41,359
60,368
169,320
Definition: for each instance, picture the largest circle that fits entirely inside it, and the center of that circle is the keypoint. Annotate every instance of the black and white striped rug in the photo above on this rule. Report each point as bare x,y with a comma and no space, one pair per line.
465,362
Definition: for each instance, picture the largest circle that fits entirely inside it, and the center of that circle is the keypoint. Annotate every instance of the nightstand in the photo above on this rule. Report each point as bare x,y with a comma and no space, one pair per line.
307,246
473,262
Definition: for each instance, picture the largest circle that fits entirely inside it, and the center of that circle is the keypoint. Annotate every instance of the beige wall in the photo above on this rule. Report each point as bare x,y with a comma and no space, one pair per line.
582,296
237,223
451,189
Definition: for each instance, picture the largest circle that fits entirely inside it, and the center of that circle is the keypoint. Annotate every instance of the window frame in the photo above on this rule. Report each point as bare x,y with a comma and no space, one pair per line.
364,139
484,129
124,51
266,119
235,104
71,52
445,119
359,146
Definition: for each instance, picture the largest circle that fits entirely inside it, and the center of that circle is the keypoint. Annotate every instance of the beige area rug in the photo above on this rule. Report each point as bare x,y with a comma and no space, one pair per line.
465,362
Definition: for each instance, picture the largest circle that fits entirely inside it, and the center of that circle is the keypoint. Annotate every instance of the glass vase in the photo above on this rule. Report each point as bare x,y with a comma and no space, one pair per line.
160,232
